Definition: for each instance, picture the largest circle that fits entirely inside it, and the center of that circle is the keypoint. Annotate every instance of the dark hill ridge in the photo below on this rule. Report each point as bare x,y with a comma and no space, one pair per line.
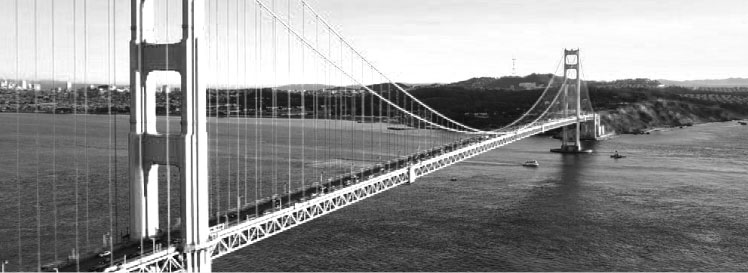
730,82
509,82
312,86
628,106
315,86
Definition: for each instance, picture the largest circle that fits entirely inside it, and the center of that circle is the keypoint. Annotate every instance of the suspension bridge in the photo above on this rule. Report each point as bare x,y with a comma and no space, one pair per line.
243,119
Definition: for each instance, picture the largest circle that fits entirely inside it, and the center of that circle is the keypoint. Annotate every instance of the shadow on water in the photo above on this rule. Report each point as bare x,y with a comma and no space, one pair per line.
564,187
550,222
573,166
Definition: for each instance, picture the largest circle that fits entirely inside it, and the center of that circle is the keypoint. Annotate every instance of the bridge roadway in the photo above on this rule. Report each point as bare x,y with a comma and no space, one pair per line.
271,216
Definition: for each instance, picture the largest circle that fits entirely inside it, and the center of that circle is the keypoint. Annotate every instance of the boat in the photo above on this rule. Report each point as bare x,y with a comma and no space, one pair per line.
531,163
744,123
617,156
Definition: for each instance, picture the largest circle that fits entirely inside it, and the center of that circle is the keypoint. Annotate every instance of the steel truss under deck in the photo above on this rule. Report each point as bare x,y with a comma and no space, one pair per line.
237,236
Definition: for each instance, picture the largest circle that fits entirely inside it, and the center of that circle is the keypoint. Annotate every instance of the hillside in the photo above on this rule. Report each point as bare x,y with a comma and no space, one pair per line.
488,109
638,117
509,82
625,109
731,82
312,86
634,110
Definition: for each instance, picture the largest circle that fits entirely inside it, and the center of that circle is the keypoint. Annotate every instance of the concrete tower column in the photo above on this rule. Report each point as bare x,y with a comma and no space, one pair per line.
187,150
565,129
194,154
143,176
571,72
579,101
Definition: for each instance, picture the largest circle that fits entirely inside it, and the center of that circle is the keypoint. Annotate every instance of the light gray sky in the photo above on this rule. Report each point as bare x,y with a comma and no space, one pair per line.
450,40
420,41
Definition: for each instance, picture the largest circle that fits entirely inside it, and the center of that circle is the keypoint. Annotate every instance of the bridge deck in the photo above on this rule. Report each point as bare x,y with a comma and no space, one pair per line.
229,237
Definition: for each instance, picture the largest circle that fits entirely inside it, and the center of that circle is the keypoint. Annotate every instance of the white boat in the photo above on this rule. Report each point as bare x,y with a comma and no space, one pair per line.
531,163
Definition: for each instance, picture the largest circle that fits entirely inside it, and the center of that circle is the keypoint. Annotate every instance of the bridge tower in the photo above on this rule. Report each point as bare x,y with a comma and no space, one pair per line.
572,74
187,149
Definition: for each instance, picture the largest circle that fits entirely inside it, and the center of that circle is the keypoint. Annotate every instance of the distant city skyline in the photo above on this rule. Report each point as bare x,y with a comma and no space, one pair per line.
417,41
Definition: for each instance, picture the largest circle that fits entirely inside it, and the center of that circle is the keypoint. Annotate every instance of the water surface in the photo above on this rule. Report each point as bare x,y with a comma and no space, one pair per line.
677,203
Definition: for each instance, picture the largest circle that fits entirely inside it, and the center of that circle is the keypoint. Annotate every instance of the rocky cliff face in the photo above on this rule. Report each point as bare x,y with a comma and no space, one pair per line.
637,117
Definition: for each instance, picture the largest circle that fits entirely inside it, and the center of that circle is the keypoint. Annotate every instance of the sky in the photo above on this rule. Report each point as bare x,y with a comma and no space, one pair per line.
435,41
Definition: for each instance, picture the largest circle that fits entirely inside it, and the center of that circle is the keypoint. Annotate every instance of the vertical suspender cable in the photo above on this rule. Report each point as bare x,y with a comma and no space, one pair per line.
433,141
317,69
236,109
416,124
352,124
422,129
329,109
227,86
237,87
288,98
364,145
110,25
363,115
354,112
341,129
335,123
274,106
245,90
18,136
54,141
338,121
115,154
371,119
85,122
211,106
216,122
36,139
379,119
303,101
389,117
75,133
397,121
258,106
208,98
167,104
